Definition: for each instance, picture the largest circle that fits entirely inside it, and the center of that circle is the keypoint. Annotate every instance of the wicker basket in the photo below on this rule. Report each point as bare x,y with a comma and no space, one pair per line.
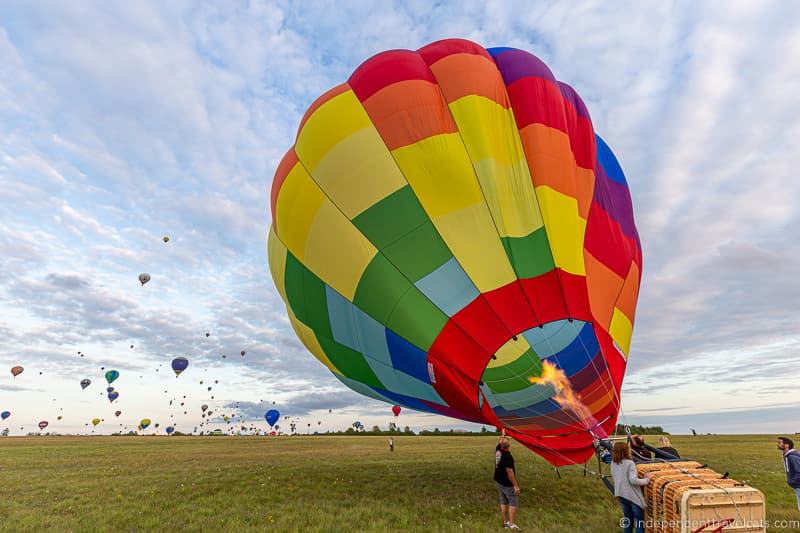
683,497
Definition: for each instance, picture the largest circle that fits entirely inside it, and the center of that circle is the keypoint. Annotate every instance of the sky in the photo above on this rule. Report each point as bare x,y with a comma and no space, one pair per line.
124,122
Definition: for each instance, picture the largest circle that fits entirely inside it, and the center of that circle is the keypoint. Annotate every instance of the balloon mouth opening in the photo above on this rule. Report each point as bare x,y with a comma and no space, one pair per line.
546,380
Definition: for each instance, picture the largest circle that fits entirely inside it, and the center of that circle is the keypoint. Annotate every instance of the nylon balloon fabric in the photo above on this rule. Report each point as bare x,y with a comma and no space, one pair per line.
450,235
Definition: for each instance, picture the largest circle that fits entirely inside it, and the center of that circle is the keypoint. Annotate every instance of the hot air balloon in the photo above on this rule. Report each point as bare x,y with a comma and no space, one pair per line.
111,376
165,238
144,278
85,382
59,417
469,241
113,395
179,364
43,424
5,414
272,416
117,413
109,389
144,422
396,410
95,421
16,370
169,430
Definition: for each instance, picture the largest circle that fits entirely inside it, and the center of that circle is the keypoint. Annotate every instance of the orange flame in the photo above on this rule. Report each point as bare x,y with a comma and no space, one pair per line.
565,396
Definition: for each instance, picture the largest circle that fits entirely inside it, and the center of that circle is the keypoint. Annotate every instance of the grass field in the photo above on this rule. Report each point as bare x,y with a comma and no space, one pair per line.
322,484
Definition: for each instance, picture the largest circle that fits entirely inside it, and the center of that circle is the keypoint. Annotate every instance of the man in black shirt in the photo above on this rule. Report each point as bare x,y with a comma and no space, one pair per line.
506,479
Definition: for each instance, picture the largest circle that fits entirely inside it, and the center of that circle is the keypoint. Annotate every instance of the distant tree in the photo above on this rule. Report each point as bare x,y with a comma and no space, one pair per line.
436,430
483,429
376,429
350,431
407,430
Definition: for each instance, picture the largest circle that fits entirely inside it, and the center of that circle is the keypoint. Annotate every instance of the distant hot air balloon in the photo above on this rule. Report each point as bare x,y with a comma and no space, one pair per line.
272,416
85,382
111,376
207,334
60,417
117,413
396,410
113,395
95,421
156,425
109,389
169,430
204,407
165,238
511,265
179,364
16,370
5,414
144,278
144,422
43,424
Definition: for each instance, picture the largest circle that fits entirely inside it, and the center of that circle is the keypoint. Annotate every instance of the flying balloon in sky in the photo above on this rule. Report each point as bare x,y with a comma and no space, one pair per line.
449,234
396,410
144,423
179,364
95,421
111,376
144,278
16,370
272,416
5,414
43,424
85,382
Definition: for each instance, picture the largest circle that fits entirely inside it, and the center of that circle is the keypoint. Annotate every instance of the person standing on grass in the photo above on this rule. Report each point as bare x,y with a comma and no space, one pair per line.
791,463
505,476
628,488
391,444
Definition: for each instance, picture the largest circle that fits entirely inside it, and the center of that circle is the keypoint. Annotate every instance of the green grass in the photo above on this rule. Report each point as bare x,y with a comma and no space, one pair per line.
322,484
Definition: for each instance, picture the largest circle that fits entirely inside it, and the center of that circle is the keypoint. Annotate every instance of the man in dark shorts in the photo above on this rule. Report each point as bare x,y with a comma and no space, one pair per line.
506,479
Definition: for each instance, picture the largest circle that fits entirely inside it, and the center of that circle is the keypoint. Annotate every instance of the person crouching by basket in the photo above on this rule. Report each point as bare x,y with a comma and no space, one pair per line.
628,488
791,463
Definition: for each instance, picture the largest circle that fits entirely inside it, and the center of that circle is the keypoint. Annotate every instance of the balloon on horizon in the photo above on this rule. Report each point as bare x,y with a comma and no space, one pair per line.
450,234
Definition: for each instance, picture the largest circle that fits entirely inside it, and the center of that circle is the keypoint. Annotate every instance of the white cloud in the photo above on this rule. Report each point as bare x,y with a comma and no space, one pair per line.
120,125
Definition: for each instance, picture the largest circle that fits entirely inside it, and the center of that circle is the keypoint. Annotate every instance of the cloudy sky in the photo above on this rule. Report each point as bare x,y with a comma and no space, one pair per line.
121,124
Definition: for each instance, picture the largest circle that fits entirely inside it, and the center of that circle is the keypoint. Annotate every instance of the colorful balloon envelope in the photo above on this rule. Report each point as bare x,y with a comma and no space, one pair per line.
179,364
95,421
43,424
113,396
144,422
117,413
111,376
16,370
272,416
396,410
450,234
169,430
85,382
5,414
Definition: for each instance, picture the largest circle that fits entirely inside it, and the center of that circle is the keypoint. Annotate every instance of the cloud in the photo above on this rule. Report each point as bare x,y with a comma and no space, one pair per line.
121,125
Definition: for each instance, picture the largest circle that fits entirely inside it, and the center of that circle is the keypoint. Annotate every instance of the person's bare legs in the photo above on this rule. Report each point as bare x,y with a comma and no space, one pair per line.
504,512
512,514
